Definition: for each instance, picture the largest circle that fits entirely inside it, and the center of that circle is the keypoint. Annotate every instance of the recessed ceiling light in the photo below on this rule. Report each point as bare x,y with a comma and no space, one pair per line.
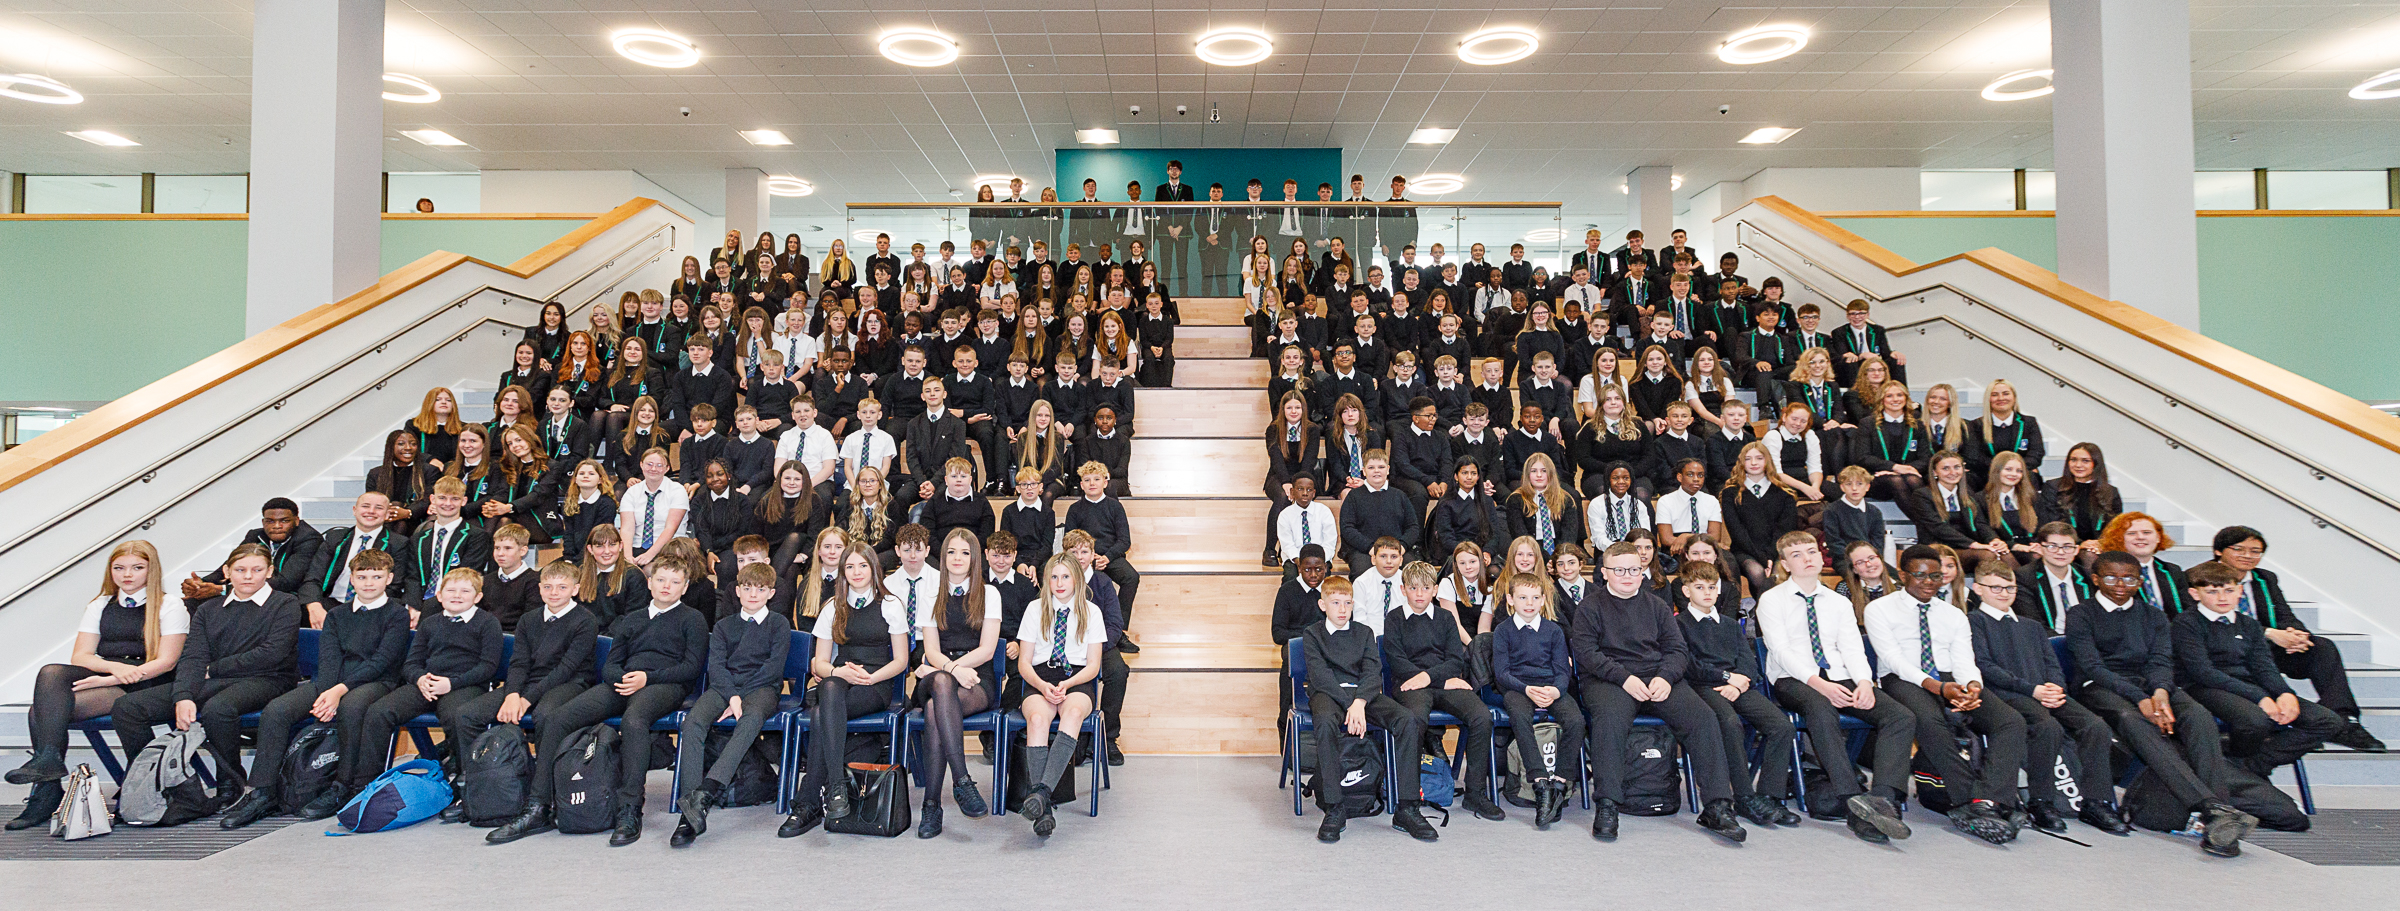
1674,182
865,235
2385,85
917,47
1438,184
1430,136
1999,91
998,182
1545,235
38,89
655,48
1234,46
1768,135
433,137
102,137
1493,46
1096,137
766,137
1764,43
789,186
425,92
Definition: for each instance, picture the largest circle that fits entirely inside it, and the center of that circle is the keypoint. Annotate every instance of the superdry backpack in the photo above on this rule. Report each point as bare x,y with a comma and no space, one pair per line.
583,794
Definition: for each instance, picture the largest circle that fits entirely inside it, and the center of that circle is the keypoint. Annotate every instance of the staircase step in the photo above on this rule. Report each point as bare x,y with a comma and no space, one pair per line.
1210,311
1171,467
1220,373
1179,611
1203,712
1212,347
1262,655
1180,535
1168,413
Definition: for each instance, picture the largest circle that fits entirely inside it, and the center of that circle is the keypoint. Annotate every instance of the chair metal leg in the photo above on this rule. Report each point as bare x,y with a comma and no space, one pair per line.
1097,727
107,755
2308,799
1291,762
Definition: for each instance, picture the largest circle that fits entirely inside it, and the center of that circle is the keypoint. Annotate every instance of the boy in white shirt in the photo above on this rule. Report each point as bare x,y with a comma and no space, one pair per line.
1818,667
1302,523
1927,653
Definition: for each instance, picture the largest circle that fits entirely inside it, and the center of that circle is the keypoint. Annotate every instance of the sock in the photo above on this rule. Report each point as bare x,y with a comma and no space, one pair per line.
1037,761
1062,757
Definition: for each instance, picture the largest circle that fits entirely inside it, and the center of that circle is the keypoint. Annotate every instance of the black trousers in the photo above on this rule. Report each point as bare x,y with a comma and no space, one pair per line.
1695,727
986,437
1775,733
2322,667
2004,742
831,706
691,744
2046,742
1417,500
1408,736
481,713
223,701
1129,584
2259,739
1895,728
1472,715
2192,768
1568,762
594,705
1113,676
397,708
284,716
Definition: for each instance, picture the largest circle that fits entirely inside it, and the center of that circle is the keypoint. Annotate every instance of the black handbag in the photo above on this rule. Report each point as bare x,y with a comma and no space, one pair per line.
878,803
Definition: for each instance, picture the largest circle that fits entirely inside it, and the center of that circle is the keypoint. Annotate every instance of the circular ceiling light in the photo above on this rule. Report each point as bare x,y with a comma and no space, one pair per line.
865,235
789,186
1545,236
1764,43
998,182
917,47
1494,46
655,48
1999,89
2385,85
425,92
1234,46
45,90
1437,184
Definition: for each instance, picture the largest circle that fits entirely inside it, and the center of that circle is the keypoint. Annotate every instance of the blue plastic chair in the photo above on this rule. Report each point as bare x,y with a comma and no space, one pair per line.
93,729
2308,797
1095,727
795,678
796,727
1299,720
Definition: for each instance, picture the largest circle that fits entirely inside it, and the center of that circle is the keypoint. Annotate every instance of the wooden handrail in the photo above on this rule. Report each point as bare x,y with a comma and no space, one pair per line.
56,447
1202,204
244,216
2241,366
2048,213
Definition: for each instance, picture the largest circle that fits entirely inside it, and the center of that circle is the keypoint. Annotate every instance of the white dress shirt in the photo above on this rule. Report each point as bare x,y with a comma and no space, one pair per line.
1783,623
1677,509
1322,531
1892,625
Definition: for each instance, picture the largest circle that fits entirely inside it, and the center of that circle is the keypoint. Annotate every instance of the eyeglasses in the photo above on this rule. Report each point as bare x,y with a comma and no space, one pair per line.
1935,576
2247,550
1997,588
2054,545
1622,571
2123,580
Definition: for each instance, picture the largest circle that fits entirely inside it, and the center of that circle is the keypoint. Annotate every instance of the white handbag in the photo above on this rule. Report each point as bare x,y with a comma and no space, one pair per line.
84,812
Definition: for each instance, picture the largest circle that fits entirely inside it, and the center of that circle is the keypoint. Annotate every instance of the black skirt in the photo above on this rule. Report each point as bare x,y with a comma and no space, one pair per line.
1052,672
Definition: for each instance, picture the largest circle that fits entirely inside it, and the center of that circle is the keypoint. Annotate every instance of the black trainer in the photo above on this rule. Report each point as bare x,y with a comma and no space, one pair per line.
969,798
929,818
2353,735
534,821
1482,806
327,803
803,818
1718,817
1978,820
1330,830
1407,819
1877,812
629,827
1604,820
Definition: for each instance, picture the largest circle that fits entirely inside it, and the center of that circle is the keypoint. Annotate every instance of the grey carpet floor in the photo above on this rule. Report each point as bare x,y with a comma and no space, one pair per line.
1204,833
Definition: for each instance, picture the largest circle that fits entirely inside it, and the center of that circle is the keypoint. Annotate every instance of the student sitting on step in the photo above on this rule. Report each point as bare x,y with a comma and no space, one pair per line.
2298,652
2225,661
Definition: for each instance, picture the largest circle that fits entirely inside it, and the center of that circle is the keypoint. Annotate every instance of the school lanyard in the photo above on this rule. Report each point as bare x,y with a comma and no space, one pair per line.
1908,448
2018,423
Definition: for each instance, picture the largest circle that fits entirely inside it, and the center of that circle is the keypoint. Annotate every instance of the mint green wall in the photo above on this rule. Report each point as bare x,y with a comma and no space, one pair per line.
2305,313
157,296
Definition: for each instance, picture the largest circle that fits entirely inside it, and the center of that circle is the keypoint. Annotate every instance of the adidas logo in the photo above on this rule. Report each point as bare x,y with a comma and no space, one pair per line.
575,799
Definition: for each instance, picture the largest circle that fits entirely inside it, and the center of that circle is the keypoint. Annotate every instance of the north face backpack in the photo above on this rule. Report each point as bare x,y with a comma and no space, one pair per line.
1362,779
492,777
1653,781
310,764
583,794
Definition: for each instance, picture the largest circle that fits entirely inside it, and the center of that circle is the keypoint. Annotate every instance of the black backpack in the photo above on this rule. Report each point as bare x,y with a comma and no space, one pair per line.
1362,778
753,780
492,778
1653,781
583,796
310,764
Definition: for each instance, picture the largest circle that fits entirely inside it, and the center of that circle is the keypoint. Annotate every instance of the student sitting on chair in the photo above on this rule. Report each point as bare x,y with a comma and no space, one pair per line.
2125,672
130,639
1633,659
962,637
862,646
1061,640
2225,661
553,658
2297,652
241,653
1429,670
1724,673
746,655
1927,652
453,658
358,662
2021,669
1345,697
1819,667
1531,667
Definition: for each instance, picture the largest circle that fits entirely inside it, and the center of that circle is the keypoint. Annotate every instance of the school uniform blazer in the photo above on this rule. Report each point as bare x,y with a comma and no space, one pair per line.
292,559
2174,588
573,441
1968,527
1844,342
335,553
2023,436
1720,453
926,444
468,548
1884,445
2038,602
2266,597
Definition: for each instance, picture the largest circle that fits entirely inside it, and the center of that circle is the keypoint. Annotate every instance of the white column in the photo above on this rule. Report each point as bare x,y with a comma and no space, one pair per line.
745,202
1650,205
2121,139
316,155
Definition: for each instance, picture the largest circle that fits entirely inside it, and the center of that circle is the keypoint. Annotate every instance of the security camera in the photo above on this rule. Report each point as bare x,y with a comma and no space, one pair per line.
1180,110
1724,109
1136,109
687,112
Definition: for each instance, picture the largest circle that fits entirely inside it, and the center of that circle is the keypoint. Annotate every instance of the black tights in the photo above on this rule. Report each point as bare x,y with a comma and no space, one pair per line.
944,737
786,551
57,704
1760,575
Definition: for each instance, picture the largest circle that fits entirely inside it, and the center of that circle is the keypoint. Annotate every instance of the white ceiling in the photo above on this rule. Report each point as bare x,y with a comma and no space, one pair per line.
533,84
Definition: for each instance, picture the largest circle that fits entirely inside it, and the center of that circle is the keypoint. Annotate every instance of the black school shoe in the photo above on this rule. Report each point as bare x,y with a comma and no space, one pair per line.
1115,756
1330,830
253,806
806,817
1867,832
1129,647
1407,819
534,821
42,767
2046,817
327,803
929,819
1604,820
454,813
1877,812
695,810
969,798
1718,817
2356,737
1482,806
39,805
629,827
2224,827
2104,816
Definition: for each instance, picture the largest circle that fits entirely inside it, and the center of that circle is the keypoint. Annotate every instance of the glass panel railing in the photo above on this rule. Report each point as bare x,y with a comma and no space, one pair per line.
1200,249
